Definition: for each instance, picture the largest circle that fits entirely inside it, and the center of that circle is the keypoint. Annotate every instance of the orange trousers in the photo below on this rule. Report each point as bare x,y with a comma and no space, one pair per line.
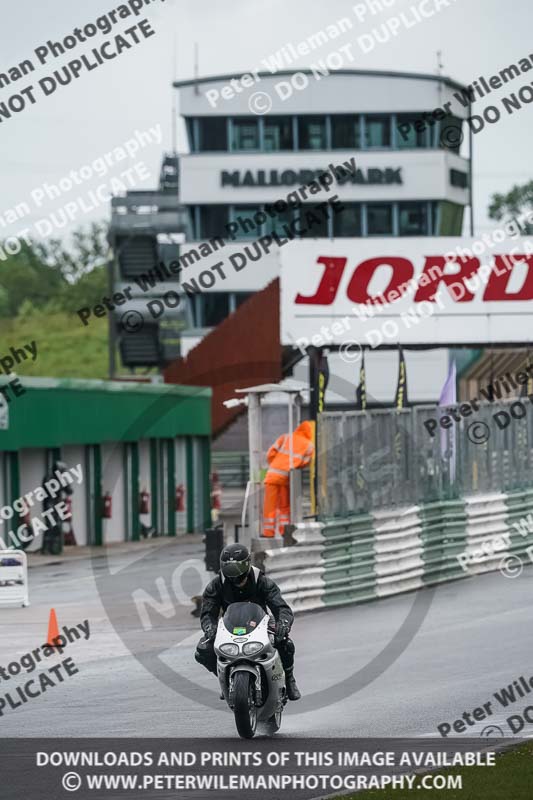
277,503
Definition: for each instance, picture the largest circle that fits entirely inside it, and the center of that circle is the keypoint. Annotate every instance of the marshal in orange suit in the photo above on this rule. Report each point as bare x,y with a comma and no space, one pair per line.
277,492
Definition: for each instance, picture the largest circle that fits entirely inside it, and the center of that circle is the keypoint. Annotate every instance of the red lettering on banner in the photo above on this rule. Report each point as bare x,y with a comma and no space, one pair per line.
357,291
329,284
499,279
434,270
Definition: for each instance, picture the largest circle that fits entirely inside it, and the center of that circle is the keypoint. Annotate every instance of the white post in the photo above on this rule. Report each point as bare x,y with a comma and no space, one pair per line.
256,455
296,514
292,482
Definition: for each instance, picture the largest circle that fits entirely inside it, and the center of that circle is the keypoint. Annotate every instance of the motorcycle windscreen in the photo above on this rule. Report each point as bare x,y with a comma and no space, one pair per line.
243,618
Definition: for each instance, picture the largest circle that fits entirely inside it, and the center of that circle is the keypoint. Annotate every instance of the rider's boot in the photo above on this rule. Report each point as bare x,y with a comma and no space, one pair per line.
293,693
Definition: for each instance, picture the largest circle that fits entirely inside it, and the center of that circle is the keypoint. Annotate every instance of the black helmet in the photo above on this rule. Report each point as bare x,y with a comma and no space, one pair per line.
235,562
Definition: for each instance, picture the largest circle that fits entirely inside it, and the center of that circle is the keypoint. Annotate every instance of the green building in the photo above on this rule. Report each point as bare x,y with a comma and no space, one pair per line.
143,451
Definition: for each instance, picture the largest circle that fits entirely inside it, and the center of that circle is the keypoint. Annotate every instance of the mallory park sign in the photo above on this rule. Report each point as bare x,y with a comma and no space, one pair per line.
290,177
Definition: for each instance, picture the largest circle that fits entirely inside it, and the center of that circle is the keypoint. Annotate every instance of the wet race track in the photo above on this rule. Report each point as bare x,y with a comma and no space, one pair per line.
363,670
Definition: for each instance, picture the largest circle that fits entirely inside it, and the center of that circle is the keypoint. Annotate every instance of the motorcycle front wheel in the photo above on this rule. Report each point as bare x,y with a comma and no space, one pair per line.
244,706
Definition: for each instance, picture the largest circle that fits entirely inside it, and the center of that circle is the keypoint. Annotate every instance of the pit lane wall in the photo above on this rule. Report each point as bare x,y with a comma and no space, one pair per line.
368,556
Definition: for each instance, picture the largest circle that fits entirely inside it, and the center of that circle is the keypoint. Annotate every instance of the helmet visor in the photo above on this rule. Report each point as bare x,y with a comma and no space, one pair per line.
235,569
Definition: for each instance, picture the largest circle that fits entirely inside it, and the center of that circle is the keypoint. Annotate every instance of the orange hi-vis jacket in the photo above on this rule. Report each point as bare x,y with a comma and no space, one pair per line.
278,456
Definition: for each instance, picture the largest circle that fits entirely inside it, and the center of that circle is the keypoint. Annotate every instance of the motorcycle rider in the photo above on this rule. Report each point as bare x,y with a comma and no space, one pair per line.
239,582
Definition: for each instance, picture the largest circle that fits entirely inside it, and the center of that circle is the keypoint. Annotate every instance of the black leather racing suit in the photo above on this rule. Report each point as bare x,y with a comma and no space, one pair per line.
220,593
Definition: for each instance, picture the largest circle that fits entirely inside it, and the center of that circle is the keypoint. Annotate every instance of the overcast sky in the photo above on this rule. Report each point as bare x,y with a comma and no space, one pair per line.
102,109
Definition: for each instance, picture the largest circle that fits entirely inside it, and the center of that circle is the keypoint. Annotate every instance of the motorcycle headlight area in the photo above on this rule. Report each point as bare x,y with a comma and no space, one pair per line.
252,648
229,649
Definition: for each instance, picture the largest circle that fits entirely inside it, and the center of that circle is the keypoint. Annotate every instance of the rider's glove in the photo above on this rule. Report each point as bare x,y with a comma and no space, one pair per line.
282,630
210,631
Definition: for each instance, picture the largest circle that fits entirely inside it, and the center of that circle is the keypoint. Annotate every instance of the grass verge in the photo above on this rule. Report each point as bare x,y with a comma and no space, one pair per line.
510,779
65,348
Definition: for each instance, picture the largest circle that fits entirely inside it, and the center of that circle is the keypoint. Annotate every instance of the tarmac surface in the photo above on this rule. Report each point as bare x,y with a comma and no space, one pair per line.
363,670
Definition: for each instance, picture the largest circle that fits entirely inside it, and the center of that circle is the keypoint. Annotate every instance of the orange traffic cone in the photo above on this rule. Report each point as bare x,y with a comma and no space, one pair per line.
53,630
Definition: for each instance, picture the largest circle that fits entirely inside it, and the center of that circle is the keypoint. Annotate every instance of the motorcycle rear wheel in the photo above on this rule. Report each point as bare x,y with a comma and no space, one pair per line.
244,706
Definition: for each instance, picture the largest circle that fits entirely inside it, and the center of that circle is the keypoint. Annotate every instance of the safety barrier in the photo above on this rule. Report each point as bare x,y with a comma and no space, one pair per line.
14,578
299,570
368,556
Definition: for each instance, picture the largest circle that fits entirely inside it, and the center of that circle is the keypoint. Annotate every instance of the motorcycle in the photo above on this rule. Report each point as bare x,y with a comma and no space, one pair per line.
249,669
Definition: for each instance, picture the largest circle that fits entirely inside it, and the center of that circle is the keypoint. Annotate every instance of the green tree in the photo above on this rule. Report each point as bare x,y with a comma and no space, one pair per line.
89,248
87,291
54,276
4,302
25,277
518,201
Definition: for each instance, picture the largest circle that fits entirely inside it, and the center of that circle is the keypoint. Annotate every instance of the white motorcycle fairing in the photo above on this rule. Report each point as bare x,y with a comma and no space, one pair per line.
255,654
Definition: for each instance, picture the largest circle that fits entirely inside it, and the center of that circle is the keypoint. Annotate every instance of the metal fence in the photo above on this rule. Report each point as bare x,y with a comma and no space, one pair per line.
233,469
380,459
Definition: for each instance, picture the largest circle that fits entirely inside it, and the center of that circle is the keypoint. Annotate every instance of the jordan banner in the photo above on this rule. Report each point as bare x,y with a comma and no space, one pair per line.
380,292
